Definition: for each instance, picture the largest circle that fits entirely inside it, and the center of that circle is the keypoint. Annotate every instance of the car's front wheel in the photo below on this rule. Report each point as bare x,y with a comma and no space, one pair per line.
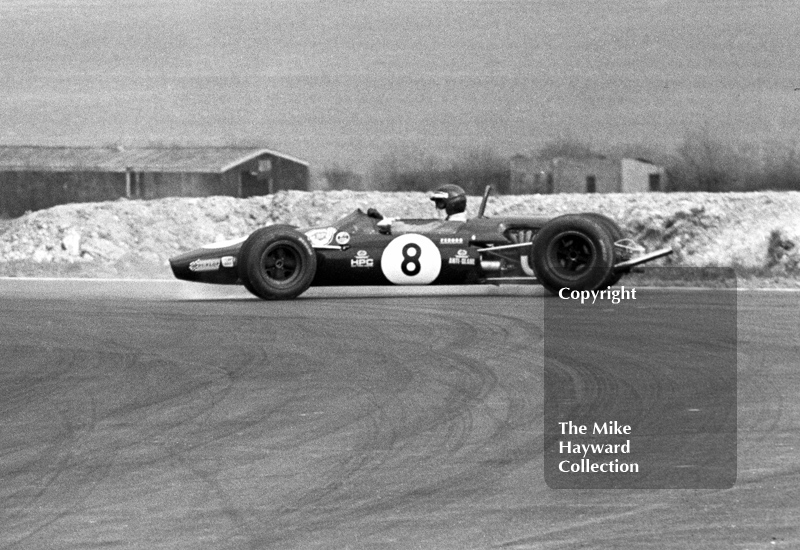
574,252
277,263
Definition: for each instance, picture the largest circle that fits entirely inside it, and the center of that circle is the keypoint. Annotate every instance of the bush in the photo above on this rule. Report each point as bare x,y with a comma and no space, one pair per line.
703,163
339,178
410,171
407,171
780,251
700,163
479,168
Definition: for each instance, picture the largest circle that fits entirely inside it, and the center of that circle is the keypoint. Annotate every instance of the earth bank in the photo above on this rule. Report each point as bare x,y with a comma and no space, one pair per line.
756,233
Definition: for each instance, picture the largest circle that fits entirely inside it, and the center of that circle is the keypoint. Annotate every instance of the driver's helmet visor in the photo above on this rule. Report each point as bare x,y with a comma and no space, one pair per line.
440,200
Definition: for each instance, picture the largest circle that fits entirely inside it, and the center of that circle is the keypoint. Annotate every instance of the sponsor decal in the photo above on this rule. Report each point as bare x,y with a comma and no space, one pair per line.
362,259
205,265
228,261
320,236
343,238
451,240
461,258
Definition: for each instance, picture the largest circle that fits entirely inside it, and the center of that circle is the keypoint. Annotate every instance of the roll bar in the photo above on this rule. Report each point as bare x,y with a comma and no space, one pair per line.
486,193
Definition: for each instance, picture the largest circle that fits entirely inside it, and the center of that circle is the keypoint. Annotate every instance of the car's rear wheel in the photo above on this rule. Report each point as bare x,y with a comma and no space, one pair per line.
277,263
574,252
616,233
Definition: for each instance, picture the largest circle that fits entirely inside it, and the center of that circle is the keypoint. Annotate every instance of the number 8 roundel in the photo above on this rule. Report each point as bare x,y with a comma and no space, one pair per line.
411,260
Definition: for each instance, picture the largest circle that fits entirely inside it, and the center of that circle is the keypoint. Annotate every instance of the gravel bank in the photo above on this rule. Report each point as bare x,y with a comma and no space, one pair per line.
756,233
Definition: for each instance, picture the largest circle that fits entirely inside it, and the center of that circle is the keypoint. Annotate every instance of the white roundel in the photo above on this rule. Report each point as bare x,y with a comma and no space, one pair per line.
411,259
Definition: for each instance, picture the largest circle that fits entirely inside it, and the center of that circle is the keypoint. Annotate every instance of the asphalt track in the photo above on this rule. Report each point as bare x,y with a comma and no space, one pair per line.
163,415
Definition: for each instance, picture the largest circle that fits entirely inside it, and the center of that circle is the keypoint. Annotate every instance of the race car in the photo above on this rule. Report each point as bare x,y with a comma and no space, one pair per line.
585,251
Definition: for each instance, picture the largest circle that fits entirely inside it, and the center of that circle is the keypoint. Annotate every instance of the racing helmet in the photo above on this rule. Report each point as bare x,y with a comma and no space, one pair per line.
450,198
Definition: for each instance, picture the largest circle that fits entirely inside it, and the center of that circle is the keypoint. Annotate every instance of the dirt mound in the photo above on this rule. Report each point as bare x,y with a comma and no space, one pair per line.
756,233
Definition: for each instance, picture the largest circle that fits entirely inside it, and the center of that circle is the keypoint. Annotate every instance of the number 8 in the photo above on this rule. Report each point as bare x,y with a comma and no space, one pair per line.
410,259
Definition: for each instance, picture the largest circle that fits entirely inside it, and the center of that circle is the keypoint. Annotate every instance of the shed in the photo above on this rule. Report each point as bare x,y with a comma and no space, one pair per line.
35,177
586,175
592,174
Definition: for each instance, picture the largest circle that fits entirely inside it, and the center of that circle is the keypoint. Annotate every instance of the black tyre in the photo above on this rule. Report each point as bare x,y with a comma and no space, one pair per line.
615,231
574,252
277,263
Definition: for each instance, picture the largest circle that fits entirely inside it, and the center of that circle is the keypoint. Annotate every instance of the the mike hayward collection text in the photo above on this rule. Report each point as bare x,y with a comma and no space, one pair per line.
581,463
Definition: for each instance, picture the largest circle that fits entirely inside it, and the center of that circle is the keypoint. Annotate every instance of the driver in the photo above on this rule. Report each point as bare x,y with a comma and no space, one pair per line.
450,198
453,200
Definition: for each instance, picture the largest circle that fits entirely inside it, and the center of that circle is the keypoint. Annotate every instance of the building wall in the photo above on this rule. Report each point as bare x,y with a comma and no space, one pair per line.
290,175
21,191
157,185
29,189
637,176
259,176
265,175
570,175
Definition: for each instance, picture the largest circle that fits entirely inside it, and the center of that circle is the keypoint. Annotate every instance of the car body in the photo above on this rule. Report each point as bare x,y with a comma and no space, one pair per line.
577,251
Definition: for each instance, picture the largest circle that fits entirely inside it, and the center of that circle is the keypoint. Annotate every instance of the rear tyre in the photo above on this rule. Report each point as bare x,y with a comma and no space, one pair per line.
574,252
615,231
277,263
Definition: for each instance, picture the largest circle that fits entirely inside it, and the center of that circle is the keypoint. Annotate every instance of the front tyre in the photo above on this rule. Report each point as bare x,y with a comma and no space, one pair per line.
277,263
574,252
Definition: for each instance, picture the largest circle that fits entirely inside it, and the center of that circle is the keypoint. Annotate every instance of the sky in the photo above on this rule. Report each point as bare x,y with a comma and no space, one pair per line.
345,81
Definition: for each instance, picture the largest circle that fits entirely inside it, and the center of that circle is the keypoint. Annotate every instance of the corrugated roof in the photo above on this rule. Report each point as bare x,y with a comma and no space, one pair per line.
139,159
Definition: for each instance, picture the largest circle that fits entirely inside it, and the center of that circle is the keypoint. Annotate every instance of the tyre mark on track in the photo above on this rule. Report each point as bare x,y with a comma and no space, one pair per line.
83,438
439,420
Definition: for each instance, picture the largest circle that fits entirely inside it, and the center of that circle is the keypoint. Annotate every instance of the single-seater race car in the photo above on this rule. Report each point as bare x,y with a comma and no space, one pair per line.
585,251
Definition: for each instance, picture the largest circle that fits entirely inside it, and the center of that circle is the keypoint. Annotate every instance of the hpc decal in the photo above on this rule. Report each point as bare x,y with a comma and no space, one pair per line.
362,259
